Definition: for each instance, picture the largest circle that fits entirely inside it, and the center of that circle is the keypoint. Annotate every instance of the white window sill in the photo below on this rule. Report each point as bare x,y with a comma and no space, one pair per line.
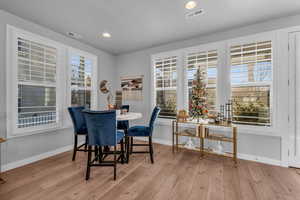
37,131
242,129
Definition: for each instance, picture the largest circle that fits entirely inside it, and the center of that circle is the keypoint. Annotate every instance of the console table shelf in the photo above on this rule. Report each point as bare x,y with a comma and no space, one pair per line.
202,132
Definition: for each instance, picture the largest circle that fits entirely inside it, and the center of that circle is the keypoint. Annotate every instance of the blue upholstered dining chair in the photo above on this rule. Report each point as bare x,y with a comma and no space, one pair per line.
102,131
144,131
79,128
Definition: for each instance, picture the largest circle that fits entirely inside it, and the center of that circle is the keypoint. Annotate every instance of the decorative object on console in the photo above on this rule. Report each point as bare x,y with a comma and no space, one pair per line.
132,88
225,114
198,106
105,88
182,116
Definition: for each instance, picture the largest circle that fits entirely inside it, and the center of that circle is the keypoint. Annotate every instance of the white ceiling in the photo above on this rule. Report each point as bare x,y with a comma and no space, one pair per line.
138,24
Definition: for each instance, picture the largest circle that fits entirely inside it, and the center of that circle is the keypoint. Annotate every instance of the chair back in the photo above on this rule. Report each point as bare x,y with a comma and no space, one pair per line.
102,127
78,119
154,115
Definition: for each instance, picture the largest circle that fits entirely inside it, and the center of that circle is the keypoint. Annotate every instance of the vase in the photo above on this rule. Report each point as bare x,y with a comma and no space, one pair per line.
189,144
219,148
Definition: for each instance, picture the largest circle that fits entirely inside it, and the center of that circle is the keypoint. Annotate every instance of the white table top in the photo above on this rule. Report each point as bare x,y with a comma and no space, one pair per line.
129,116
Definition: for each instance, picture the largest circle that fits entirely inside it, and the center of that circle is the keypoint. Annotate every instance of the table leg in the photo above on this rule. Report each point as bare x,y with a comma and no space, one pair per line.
173,136
234,133
202,132
176,131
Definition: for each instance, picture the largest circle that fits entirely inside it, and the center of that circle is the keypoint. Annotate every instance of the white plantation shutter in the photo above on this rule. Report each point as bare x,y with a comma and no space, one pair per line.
81,80
36,66
165,74
251,80
206,60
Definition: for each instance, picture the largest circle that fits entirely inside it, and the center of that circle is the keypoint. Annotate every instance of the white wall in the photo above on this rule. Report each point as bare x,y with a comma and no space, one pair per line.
16,149
269,146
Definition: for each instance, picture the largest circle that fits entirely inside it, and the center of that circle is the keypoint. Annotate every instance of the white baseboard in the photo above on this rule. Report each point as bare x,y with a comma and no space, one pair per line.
32,159
261,159
249,157
48,154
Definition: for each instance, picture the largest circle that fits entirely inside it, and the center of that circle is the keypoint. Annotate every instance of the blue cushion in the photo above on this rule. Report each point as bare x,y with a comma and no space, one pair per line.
141,131
120,136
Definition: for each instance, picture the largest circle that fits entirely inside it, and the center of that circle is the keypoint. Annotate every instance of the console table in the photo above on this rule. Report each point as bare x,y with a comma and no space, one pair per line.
203,132
1,180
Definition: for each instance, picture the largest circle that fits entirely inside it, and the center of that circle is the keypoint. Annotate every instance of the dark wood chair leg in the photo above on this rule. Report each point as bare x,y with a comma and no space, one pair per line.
115,162
96,153
127,148
151,149
131,146
100,154
122,151
86,142
88,167
75,147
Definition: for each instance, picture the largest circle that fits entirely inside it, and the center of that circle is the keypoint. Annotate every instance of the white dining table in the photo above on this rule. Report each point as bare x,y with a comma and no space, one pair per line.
129,116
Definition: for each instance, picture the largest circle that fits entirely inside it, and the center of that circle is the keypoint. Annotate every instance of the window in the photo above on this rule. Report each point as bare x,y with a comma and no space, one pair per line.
81,81
240,70
165,75
36,66
251,82
207,60
38,79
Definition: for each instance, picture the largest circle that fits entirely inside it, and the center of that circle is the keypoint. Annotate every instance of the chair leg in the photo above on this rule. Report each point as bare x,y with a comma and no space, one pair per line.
75,147
151,149
122,151
86,142
96,153
100,154
115,162
131,146
127,148
88,167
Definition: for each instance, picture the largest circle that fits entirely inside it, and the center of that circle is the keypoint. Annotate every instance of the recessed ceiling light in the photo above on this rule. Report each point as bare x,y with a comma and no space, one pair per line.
106,35
190,5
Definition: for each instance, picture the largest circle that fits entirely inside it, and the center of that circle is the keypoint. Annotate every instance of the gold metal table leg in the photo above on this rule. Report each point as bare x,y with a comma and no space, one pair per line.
234,133
173,132
176,131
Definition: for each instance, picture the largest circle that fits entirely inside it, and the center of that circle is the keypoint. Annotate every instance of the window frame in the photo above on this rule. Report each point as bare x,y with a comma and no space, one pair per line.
63,83
153,78
267,36
12,83
223,86
218,46
94,60
94,94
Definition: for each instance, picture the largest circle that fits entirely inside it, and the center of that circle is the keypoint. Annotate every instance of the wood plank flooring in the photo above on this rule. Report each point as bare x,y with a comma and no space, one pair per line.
180,176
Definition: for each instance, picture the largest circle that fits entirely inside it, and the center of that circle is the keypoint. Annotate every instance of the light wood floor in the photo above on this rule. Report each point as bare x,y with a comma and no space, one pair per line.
182,176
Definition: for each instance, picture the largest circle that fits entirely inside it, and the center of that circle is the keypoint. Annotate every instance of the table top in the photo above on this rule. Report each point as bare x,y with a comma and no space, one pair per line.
129,116
2,140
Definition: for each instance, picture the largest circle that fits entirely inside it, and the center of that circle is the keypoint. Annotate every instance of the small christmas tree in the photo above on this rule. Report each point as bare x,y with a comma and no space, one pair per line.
198,106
